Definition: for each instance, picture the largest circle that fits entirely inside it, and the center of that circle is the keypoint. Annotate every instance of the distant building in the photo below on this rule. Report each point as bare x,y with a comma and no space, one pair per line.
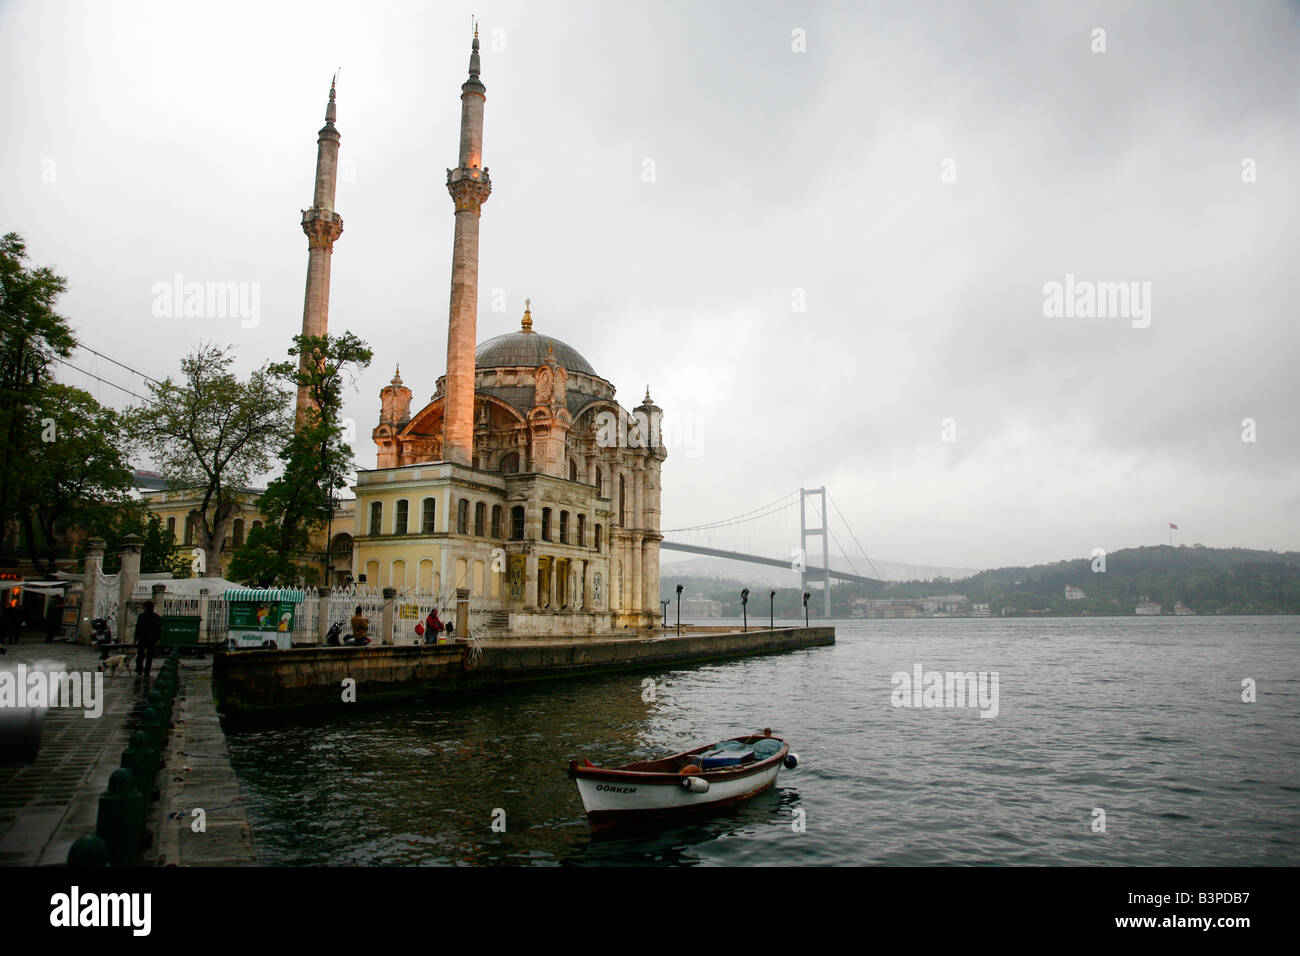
700,606
892,611
980,610
1181,609
1073,594
1148,608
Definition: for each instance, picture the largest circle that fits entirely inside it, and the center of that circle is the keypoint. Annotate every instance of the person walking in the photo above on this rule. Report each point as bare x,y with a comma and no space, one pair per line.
148,634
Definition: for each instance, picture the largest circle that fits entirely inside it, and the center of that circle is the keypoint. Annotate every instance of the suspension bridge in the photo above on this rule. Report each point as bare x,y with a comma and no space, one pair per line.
800,515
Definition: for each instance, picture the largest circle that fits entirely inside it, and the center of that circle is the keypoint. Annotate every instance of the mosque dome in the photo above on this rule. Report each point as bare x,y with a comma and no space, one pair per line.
528,348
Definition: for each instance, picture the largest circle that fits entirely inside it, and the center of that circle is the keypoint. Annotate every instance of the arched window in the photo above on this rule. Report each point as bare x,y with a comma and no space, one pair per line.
376,517
564,527
237,532
582,531
622,498
480,519
191,528
399,517
171,529
510,464
428,524
496,521
462,516
597,537
517,523
573,470
600,482
546,524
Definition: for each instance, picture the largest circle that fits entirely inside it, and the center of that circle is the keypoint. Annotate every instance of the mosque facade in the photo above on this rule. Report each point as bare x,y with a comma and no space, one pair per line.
522,486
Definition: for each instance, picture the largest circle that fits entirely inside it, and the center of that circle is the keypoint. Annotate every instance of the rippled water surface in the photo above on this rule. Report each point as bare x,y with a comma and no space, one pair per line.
1142,718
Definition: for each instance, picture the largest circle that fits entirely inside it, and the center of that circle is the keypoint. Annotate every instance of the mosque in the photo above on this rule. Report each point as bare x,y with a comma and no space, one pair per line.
522,487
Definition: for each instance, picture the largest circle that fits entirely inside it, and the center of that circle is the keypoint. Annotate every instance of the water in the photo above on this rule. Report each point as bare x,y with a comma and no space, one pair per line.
1142,718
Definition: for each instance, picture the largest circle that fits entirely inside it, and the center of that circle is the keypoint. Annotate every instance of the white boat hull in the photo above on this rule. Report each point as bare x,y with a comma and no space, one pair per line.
619,797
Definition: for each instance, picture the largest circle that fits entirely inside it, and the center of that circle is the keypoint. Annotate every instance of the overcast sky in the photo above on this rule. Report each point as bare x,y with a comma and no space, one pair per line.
816,231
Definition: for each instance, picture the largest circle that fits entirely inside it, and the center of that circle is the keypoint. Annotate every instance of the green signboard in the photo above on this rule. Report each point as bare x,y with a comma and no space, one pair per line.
262,615
180,629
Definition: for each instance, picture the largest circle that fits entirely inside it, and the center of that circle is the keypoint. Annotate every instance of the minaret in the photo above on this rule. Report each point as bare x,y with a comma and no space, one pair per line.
469,187
322,225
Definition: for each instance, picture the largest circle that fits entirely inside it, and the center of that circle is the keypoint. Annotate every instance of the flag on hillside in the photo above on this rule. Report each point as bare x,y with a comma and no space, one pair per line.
1173,527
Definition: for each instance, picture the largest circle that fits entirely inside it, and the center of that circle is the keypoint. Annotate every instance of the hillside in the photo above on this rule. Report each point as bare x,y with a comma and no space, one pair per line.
1205,580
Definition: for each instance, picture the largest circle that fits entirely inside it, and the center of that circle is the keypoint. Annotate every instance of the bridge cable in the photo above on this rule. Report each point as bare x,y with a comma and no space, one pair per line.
741,518
852,535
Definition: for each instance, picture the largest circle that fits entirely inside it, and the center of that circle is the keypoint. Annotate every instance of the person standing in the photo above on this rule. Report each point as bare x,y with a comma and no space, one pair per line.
13,621
432,627
54,619
148,634
360,627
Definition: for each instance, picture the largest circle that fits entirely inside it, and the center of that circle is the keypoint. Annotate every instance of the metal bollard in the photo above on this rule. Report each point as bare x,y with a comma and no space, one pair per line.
88,851
151,724
163,705
142,760
121,818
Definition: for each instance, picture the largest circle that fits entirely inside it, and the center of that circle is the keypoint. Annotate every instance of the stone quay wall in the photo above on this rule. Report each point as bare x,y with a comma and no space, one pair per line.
257,681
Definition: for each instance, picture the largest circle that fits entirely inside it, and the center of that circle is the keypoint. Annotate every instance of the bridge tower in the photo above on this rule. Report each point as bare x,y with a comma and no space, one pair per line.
805,533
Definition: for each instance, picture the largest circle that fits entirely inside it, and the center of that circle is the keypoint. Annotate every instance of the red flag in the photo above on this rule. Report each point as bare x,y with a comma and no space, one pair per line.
1173,527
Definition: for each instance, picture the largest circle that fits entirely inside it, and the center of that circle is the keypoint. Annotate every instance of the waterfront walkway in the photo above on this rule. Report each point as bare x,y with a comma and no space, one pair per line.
46,805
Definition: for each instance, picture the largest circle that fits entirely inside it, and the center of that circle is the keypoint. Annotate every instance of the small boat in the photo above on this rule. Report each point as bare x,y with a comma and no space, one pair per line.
714,775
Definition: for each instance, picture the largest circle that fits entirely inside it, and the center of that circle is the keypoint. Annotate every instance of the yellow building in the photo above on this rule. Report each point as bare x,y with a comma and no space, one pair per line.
179,512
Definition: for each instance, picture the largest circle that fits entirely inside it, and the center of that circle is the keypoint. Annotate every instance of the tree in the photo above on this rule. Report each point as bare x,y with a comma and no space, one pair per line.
317,459
214,433
32,337
83,478
158,552
259,561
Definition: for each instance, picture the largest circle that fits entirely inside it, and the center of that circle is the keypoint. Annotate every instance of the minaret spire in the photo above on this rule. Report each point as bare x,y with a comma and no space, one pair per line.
322,225
469,186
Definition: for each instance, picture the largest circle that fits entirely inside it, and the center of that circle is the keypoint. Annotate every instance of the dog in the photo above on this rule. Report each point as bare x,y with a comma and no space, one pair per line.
111,665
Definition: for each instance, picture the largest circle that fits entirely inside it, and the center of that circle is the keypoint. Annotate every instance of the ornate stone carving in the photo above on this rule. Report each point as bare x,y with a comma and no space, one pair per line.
469,188
322,227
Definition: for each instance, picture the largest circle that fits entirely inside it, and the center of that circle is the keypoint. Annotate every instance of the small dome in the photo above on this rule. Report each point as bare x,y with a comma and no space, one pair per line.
529,349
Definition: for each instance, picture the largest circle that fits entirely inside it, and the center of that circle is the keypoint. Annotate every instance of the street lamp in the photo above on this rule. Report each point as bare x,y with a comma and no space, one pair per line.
679,610
771,611
806,595
744,607
665,607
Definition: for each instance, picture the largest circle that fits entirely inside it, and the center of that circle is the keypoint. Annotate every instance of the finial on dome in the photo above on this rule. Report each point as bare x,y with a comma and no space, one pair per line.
526,325
647,395
397,375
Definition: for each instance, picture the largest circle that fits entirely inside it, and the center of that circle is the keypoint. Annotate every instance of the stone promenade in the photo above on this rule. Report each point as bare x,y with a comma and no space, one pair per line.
47,805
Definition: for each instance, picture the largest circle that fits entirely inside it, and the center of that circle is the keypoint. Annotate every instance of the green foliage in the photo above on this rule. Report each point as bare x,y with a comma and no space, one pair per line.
259,562
32,337
213,432
317,458
158,553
